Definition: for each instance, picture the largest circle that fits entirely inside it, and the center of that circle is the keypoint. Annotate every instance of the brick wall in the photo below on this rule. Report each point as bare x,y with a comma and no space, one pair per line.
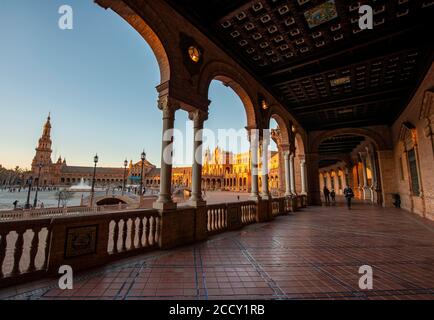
424,204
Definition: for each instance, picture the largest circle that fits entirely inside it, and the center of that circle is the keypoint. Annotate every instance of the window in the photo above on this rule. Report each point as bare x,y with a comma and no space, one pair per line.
414,177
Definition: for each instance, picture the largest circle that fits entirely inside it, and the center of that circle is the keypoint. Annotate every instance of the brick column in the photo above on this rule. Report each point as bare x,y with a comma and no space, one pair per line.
312,166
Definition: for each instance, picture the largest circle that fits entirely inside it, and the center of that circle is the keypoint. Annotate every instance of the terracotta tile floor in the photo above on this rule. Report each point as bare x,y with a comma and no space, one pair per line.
312,254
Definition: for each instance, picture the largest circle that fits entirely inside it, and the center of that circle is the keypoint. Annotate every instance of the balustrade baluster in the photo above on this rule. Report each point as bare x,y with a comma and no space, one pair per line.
115,236
18,252
151,230
3,244
157,230
208,220
212,219
227,217
46,248
133,233
147,230
34,250
216,220
124,235
140,233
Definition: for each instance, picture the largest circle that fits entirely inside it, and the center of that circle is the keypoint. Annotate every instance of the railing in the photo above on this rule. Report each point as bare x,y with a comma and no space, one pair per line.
230,216
248,212
217,218
89,237
133,231
24,247
53,212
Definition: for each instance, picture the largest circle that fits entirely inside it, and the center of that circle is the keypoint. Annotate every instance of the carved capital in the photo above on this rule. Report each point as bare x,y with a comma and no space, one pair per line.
198,117
168,106
276,135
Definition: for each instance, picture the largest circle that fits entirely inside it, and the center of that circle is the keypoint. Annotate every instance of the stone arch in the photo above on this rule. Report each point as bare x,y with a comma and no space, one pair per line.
110,201
283,127
300,146
225,73
378,140
153,31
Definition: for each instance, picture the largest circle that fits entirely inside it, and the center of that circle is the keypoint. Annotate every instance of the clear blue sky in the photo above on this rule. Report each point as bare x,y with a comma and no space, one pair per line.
98,80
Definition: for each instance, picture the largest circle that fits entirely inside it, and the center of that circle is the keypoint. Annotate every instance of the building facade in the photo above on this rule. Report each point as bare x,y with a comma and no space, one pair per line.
221,170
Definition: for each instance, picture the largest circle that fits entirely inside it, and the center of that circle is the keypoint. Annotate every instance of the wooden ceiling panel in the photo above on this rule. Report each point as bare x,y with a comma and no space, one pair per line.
315,58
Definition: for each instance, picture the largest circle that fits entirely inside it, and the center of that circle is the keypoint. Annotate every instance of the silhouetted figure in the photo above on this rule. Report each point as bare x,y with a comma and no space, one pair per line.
397,200
333,196
349,195
15,203
326,192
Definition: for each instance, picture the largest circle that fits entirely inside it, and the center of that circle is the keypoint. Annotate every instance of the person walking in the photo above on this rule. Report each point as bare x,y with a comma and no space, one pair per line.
333,196
326,192
349,195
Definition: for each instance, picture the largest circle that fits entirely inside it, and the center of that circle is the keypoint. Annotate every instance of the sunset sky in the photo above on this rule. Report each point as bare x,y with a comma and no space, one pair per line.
97,80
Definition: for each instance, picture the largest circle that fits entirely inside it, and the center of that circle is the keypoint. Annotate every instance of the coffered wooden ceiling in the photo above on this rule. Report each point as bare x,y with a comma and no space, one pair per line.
314,57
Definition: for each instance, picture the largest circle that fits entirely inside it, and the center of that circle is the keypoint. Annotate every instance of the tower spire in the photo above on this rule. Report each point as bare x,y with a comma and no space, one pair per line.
43,151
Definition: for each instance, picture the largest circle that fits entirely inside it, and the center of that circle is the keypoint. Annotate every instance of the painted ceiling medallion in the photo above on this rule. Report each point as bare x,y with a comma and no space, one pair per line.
321,14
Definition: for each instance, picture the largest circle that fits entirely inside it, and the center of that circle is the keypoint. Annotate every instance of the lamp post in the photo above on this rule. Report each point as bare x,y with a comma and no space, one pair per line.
125,173
95,160
37,186
29,183
143,158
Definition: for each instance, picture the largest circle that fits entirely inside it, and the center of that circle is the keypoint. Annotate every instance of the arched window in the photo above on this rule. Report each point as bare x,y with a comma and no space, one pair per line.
409,139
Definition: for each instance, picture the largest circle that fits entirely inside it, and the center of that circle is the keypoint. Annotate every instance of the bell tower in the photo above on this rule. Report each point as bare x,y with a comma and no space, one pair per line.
43,151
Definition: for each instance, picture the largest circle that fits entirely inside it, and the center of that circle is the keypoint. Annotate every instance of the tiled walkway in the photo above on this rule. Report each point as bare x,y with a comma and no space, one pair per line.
315,253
